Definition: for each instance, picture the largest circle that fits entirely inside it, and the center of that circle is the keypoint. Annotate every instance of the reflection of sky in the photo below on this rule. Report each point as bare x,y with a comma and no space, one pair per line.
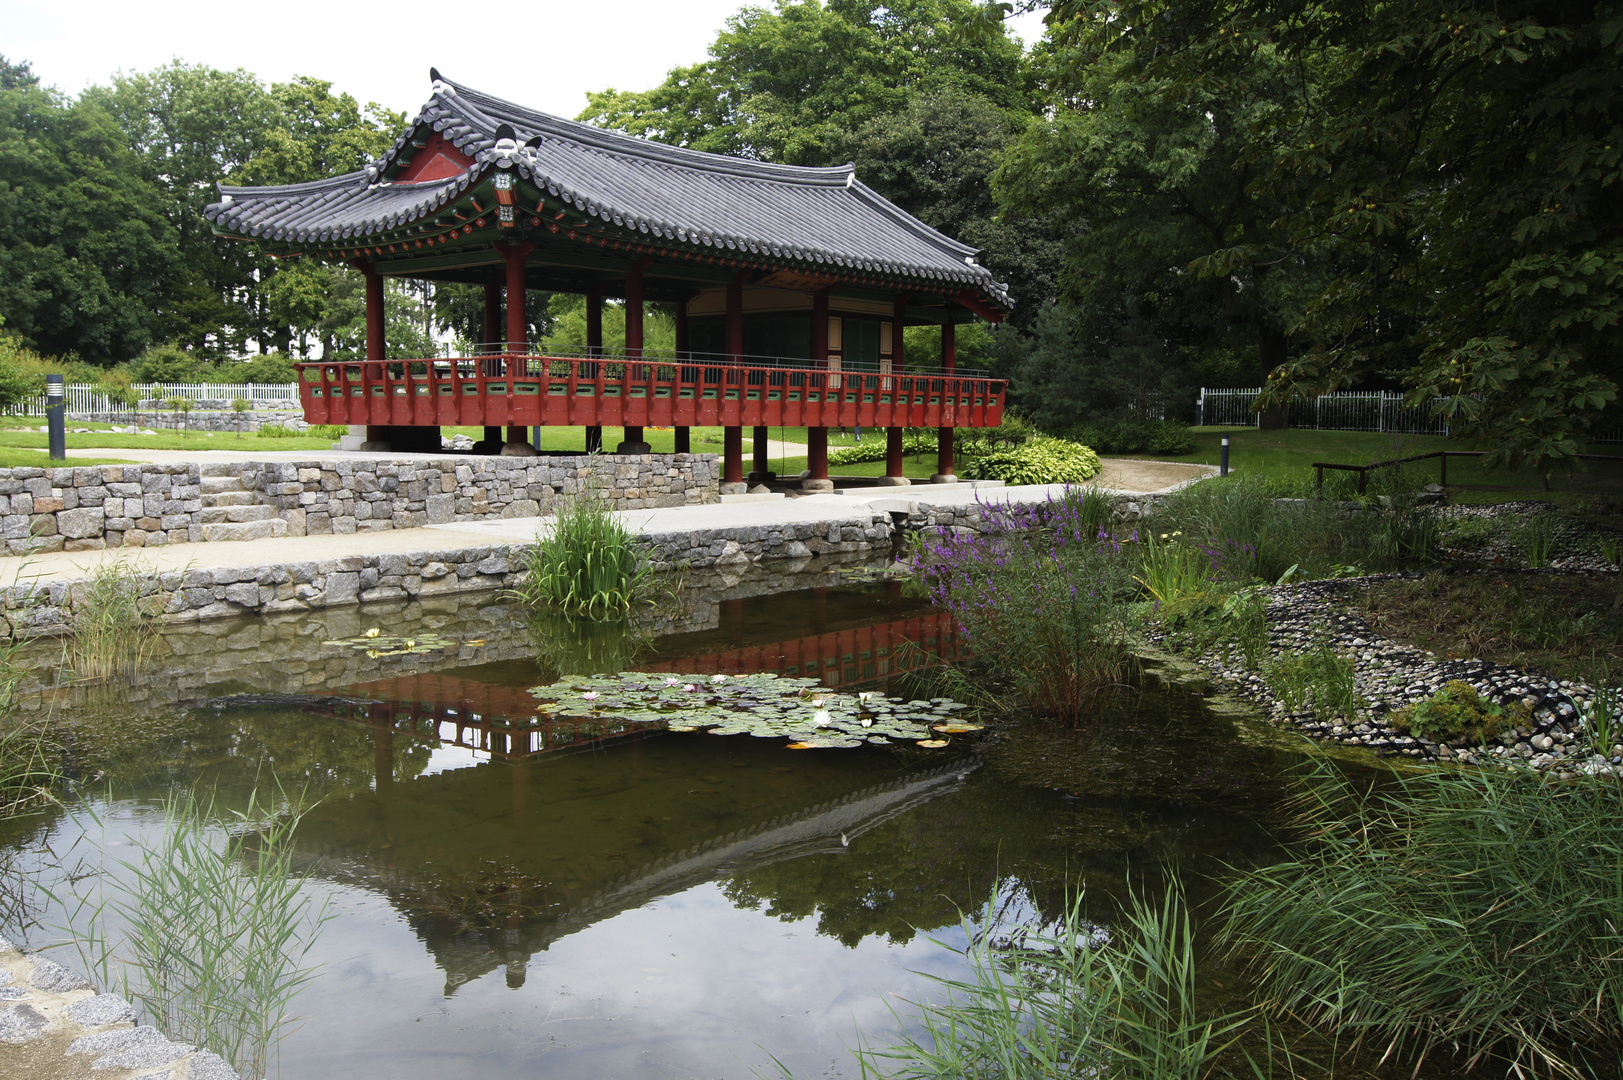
685,986
446,757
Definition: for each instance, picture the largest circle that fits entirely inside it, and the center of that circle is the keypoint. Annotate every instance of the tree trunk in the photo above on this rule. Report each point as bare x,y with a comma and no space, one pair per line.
1272,345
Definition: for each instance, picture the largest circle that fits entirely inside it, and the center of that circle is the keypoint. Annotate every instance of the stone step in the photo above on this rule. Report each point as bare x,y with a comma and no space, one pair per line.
215,515
245,530
213,485
229,498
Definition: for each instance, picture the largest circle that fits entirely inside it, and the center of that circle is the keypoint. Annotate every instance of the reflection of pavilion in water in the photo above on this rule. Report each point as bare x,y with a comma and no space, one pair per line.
459,708
490,865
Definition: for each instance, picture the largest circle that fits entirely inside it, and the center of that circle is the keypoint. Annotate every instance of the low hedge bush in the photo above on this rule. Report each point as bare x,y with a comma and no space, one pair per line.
1040,460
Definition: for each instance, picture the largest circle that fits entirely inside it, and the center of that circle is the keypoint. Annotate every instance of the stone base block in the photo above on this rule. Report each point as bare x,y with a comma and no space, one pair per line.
943,478
894,481
809,484
733,489
633,448
518,449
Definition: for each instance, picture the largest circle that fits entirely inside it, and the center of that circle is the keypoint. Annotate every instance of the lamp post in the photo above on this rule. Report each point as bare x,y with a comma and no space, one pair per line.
55,408
1223,469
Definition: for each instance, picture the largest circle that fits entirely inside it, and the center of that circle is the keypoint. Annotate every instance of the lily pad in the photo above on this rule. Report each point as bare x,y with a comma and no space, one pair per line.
375,643
931,744
762,705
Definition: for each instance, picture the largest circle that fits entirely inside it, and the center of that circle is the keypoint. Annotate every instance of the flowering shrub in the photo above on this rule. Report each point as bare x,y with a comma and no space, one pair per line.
1044,595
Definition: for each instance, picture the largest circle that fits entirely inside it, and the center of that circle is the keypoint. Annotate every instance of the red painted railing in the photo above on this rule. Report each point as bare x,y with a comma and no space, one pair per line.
522,391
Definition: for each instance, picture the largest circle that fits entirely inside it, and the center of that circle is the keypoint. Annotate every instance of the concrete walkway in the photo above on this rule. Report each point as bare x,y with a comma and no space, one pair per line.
62,566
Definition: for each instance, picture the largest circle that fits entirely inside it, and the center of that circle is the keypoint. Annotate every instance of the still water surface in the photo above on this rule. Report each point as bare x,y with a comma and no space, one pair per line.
653,904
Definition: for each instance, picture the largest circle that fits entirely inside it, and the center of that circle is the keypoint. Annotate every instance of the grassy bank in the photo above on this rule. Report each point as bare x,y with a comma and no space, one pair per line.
1288,456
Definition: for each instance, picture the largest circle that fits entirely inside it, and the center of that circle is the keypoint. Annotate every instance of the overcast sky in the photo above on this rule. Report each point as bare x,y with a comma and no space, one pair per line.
546,56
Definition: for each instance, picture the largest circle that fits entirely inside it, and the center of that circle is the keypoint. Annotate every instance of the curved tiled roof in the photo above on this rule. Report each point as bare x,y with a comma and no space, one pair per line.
667,193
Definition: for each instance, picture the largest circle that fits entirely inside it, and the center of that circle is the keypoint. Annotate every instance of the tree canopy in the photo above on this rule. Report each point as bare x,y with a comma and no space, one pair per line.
1453,160
1315,193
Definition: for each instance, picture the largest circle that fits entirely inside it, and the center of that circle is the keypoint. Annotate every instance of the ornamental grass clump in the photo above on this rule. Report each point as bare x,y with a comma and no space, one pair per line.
589,564
1044,597
1448,912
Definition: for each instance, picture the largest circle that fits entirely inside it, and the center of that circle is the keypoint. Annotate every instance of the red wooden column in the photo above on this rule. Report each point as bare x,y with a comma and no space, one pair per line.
893,435
632,443
682,434
949,363
817,437
518,326
376,347
594,347
732,443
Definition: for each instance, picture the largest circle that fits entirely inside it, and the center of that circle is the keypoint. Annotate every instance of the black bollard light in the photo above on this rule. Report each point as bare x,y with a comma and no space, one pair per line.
1223,469
55,421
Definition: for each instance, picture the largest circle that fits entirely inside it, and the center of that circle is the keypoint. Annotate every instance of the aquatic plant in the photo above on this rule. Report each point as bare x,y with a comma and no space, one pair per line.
1468,911
1457,713
206,929
763,704
29,768
1318,678
1535,538
588,564
1075,1001
112,632
1041,597
576,645
375,643
1170,571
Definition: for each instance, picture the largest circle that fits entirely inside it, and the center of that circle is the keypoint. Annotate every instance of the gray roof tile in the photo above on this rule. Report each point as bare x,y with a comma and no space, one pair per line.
812,215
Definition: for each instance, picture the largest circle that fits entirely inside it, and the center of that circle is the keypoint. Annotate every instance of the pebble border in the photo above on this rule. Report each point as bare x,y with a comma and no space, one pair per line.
1391,676
42,1000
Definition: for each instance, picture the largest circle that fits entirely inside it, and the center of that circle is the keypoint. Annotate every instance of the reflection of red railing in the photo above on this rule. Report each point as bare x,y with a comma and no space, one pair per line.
523,391
503,720
511,734
843,657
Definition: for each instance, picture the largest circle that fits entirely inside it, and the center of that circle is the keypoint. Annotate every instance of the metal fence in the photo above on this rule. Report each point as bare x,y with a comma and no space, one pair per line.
83,399
1348,410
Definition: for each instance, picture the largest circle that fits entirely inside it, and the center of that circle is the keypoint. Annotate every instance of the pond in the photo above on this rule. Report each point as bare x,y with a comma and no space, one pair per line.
515,897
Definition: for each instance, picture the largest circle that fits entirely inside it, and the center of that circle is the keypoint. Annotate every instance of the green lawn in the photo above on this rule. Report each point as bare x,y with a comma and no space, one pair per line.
1289,455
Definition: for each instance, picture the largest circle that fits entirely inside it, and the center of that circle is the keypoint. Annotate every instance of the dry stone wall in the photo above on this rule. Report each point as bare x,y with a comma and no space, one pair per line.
74,509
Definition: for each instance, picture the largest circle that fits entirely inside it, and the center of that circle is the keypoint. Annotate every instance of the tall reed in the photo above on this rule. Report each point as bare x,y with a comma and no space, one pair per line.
207,929
110,633
1471,912
1077,1001
589,564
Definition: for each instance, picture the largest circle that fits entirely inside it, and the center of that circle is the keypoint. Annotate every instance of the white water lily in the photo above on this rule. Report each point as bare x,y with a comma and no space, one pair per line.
718,678
820,718
673,682
590,695
817,703
374,632
690,687
867,695
867,721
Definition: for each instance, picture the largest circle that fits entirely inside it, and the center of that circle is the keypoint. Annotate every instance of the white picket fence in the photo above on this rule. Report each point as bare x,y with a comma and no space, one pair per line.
1347,410
83,399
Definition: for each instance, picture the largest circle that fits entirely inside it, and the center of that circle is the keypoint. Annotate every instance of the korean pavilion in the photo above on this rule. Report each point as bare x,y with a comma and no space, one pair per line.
790,288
